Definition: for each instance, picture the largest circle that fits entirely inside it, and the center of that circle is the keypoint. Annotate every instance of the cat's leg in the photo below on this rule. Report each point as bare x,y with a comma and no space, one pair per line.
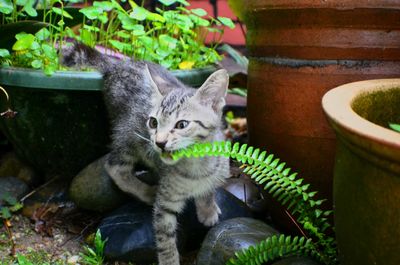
166,210
207,209
121,169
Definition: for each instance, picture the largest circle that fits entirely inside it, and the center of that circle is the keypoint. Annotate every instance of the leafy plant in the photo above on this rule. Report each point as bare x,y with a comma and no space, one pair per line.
95,256
39,50
173,38
10,205
287,189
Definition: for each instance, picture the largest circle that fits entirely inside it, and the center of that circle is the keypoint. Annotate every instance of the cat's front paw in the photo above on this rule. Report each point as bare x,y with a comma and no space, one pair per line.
208,216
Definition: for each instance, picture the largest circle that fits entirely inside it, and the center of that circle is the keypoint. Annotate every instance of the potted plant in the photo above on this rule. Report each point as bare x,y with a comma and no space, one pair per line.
367,170
61,124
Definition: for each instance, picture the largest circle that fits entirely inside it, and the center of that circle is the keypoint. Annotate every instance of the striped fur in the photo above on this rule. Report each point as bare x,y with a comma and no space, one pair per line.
140,95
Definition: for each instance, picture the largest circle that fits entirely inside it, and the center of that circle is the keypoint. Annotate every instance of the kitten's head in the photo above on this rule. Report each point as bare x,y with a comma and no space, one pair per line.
183,117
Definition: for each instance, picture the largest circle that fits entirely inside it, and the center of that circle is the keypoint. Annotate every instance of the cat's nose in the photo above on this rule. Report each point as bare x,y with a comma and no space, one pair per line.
161,145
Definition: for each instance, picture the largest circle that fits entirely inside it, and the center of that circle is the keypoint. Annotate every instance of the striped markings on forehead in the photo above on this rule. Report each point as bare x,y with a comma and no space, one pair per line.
174,101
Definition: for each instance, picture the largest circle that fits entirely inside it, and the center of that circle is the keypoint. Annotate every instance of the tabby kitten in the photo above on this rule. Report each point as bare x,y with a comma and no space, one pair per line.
153,114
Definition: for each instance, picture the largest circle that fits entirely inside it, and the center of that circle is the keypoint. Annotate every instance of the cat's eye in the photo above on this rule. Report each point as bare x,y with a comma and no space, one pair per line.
153,123
181,124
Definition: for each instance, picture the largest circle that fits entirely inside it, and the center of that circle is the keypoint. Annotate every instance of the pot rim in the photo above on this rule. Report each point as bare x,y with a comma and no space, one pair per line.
72,80
350,126
60,80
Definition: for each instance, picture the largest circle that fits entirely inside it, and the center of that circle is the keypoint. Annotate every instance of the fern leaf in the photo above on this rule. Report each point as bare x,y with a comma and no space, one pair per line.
269,171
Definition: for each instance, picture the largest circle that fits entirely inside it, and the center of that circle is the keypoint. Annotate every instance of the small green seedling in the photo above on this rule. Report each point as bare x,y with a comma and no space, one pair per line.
94,256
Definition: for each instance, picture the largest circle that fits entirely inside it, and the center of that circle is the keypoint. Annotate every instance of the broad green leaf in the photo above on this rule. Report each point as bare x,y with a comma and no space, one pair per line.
123,34
21,2
36,64
5,213
167,2
24,42
147,41
139,13
61,12
35,46
50,69
199,12
167,41
227,22
155,17
49,51
199,21
128,23
104,5
163,52
91,12
4,53
29,8
120,46
395,126
6,6
42,34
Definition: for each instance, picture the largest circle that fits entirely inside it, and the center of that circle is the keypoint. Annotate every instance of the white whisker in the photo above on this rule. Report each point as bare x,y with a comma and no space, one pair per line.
142,137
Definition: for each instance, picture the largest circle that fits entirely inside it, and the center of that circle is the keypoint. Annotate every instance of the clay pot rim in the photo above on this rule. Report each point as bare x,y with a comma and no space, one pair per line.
346,122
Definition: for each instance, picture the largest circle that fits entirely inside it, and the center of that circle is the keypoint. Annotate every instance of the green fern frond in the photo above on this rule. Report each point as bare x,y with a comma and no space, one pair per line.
276,246
281,183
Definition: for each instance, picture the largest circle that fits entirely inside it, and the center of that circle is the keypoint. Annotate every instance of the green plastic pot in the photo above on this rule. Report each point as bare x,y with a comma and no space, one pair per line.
367,171
61,125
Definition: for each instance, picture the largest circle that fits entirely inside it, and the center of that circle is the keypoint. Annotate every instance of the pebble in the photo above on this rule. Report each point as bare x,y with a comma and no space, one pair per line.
93,189
11,186
230,236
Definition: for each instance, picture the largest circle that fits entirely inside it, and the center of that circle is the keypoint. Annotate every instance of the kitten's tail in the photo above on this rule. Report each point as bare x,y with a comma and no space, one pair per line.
81,56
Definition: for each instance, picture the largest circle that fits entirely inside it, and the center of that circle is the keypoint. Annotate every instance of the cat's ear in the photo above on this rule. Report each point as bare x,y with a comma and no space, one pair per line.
153,86
214,90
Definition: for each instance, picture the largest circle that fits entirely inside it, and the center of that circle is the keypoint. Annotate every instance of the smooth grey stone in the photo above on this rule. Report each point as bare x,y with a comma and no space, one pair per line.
230,236
296,261
11,186
11,165
248,192
130,232
93,189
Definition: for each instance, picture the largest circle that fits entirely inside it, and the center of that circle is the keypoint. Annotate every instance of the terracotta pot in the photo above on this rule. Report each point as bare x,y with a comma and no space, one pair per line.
367,171
298,51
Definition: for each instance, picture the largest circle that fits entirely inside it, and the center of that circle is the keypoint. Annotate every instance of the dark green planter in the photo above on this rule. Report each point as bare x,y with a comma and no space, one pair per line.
61,124
367,171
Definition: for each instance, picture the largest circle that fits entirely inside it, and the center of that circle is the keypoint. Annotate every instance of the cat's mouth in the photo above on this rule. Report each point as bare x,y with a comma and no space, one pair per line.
167,157
167,154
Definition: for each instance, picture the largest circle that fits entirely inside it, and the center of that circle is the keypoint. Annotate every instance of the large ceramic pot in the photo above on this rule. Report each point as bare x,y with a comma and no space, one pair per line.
298,50
61,125
367,171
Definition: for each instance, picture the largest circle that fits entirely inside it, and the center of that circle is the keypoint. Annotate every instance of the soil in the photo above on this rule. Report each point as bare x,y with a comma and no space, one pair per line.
63,246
